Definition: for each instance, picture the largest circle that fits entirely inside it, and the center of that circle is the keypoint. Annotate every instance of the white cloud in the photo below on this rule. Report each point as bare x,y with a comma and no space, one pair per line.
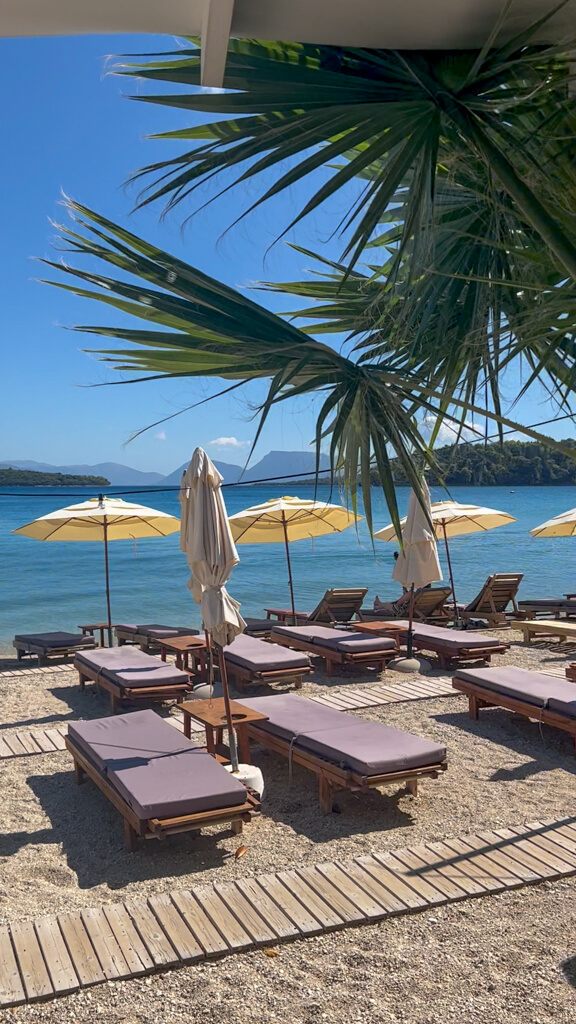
229,442
160,436
448,433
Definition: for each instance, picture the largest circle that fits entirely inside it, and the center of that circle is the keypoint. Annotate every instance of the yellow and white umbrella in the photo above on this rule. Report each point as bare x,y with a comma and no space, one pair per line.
417,564
101,519
452,519
282,520
563,525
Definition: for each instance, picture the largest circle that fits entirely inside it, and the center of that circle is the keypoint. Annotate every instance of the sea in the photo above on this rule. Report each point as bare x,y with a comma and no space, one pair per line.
47,586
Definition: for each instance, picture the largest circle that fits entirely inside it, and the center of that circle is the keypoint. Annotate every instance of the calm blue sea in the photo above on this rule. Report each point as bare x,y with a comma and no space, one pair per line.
49,586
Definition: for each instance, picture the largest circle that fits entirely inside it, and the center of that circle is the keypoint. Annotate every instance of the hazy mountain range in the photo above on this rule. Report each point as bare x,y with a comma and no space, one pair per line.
275,464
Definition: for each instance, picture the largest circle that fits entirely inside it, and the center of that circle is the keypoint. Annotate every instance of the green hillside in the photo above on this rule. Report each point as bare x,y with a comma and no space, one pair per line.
30,478
510,464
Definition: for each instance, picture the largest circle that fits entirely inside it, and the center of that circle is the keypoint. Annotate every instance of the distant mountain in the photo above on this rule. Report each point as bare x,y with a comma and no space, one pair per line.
230,473
285,464
113,471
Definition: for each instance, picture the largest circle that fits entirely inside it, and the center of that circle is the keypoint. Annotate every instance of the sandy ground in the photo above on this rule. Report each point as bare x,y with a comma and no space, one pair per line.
61,847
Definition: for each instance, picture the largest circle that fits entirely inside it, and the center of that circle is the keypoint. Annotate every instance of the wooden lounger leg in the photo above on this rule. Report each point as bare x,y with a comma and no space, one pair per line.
298,683
237,827
412,786
113,704
129,837
78,774
81,680
329,667
325,794
473,706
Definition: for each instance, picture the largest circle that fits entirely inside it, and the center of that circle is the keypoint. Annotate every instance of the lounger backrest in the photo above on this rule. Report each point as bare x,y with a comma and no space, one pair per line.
339,605
430,599
499,590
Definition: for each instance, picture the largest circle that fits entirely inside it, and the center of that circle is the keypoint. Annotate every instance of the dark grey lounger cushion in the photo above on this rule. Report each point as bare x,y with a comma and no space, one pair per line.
158,771
369,748
130,667
454,639
258,625
336,639
55,640
532,687
562,603
258,656
155,631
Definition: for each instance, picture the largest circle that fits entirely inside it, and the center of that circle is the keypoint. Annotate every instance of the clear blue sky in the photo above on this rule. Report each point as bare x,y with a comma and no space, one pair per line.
65,125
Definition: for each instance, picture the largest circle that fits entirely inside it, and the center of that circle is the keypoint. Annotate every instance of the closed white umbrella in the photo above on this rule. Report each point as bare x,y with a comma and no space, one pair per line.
207,542
417,565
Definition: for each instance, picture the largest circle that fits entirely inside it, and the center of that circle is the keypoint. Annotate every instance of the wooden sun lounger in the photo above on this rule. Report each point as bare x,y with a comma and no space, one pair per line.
332,656
332,777
492,601
482,696
430,605
149,637
119,693
251,660
51,645
450,645
337,605
544,628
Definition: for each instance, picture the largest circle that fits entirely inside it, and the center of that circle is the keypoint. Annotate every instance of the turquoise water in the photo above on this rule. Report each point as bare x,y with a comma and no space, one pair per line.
48,586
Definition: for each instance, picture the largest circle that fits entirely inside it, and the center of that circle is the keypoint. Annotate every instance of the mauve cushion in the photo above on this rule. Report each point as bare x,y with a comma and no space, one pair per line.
533,687
252,653
130,667
455,639
562,603
154,767
258,625
336,639
369,748
55,639
156,631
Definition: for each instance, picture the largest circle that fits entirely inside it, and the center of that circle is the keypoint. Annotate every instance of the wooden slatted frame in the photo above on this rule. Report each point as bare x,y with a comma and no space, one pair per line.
479,698
159,828
333,657
331,778
498,592
243,675
447,656
118,694
44,653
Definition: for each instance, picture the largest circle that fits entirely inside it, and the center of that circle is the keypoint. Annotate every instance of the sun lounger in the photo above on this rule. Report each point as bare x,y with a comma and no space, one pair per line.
336,646
345,752
558,608
337,605
250,660
128,674
533,695
492,601
430,605
147,636
51,645
545,628
451,645
158,780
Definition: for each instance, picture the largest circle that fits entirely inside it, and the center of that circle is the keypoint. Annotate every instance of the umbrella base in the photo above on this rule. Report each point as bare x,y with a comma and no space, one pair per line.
410,665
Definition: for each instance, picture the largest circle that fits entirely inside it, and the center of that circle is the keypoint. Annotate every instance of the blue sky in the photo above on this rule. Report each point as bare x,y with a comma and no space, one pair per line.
65,125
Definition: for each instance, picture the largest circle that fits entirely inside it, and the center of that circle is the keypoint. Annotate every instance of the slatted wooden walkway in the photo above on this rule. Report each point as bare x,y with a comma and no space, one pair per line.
34,741
386,693
58,954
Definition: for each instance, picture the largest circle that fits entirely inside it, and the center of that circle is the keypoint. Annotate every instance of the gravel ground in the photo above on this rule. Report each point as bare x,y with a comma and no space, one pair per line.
61,848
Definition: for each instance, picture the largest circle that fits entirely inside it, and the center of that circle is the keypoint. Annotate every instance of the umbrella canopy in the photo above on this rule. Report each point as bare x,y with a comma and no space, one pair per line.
101,519
206,540
452,519
563,525
282,520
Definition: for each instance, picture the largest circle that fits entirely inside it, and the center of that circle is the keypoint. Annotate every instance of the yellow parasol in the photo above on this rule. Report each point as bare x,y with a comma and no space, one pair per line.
563,525
282,520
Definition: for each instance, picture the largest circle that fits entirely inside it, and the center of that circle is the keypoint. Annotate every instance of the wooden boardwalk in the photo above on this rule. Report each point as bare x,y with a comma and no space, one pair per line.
54,955
33,741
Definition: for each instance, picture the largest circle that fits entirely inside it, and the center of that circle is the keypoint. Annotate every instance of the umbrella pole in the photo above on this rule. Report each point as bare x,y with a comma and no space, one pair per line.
410,635
228,709
107,569
450,573
290,583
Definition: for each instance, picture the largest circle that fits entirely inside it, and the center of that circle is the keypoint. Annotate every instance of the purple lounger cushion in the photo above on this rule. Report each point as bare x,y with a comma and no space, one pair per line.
130,668
156,770
455,639
563,603
369,748
155,631
55,640
259,656
337,639
532,687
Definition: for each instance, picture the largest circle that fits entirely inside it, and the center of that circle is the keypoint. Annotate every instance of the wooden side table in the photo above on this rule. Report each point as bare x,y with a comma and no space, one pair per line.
92,626
212,715
185,647
391,629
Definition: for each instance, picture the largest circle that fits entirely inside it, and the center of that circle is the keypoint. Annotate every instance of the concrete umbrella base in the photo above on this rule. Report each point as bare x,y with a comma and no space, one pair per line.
410,665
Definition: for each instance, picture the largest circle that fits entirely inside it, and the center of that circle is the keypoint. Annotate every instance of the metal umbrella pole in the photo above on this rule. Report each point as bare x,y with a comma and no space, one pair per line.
410,634
290,583
107,570
450,573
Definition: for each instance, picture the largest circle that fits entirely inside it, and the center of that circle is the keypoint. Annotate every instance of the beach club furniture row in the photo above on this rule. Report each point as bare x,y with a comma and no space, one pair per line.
148,635
336,646
545,628
51,645
159,781
250,660
128,674
430,605
532,695
337,605
560,608
450,645
344,752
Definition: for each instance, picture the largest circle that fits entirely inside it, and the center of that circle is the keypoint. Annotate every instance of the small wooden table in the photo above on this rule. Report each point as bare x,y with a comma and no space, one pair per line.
212,715
183,647
285,615
89,630
378,628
